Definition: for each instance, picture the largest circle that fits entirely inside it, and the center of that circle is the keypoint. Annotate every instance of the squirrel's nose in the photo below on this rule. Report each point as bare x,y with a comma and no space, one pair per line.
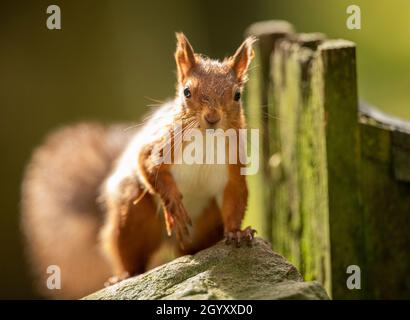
212,117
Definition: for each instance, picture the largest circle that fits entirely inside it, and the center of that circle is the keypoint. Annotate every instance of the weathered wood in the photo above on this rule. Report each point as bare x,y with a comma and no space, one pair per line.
287,92
386,205
340,102
400,138
286,107
260,206
337,181
309,162
301,212
317,137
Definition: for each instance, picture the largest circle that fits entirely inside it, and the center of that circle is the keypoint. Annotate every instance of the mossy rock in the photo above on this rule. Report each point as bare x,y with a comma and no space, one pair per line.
219,272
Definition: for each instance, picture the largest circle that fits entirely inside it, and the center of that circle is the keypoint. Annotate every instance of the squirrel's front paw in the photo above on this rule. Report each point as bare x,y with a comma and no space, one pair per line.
240,236
178,219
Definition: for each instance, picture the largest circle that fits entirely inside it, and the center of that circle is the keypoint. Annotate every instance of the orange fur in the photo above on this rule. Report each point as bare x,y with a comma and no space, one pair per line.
212,86
235,199
208,230
133,186
61,211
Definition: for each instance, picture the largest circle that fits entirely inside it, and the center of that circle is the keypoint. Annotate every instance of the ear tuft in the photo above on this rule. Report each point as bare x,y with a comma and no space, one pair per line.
242,58
184,56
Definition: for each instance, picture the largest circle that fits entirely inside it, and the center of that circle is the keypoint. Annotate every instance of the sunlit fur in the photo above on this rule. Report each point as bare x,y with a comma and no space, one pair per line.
213,85
91,195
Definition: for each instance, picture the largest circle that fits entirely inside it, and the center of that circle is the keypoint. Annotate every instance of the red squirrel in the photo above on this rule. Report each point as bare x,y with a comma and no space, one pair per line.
91,193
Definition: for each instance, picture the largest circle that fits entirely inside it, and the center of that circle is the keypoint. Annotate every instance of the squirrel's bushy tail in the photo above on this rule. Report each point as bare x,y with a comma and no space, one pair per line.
61,216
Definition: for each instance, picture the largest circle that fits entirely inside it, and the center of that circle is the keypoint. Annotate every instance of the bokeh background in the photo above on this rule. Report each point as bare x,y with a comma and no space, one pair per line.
112,57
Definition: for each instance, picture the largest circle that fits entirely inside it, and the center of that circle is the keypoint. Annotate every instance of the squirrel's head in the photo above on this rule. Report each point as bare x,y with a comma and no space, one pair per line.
210,90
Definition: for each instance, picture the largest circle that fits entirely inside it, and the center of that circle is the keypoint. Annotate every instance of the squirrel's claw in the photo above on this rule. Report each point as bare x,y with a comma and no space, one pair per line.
185,215
115,279
178,220
238,237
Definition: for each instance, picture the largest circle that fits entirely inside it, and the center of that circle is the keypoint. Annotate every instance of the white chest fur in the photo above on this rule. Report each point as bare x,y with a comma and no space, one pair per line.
199,183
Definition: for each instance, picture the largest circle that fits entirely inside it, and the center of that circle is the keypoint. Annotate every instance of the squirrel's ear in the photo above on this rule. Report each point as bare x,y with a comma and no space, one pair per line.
242,58
184,56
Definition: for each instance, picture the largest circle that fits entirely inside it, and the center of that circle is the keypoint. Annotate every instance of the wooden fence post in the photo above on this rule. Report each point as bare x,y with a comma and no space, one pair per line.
335,187
340,102
300,216
267,33
317,217
385,182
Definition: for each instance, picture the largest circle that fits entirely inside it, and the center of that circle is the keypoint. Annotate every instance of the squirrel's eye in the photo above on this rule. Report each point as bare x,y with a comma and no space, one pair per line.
237,96
187,92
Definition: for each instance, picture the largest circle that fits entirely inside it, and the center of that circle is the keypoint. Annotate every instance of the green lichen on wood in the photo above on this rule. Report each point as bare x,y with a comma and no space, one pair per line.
401,152
317,198
257,91
315,238
301,212
332,205
386,209
340,103
256,214
286,218
338,185
219,272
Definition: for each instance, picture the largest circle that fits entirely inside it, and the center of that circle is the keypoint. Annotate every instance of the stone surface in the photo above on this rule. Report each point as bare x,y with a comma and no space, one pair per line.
219,272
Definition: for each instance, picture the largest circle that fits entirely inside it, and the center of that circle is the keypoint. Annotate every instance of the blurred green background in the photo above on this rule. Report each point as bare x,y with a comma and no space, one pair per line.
112,56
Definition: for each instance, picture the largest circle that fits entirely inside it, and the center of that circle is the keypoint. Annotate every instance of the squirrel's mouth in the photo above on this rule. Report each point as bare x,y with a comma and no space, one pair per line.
211,126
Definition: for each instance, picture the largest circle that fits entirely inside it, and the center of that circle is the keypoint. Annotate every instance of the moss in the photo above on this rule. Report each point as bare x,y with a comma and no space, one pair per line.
219,272
257,203
386,218
318,144
302,205
338,182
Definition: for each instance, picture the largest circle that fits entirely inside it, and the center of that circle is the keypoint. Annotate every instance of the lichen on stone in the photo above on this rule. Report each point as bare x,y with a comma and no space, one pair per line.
219,272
